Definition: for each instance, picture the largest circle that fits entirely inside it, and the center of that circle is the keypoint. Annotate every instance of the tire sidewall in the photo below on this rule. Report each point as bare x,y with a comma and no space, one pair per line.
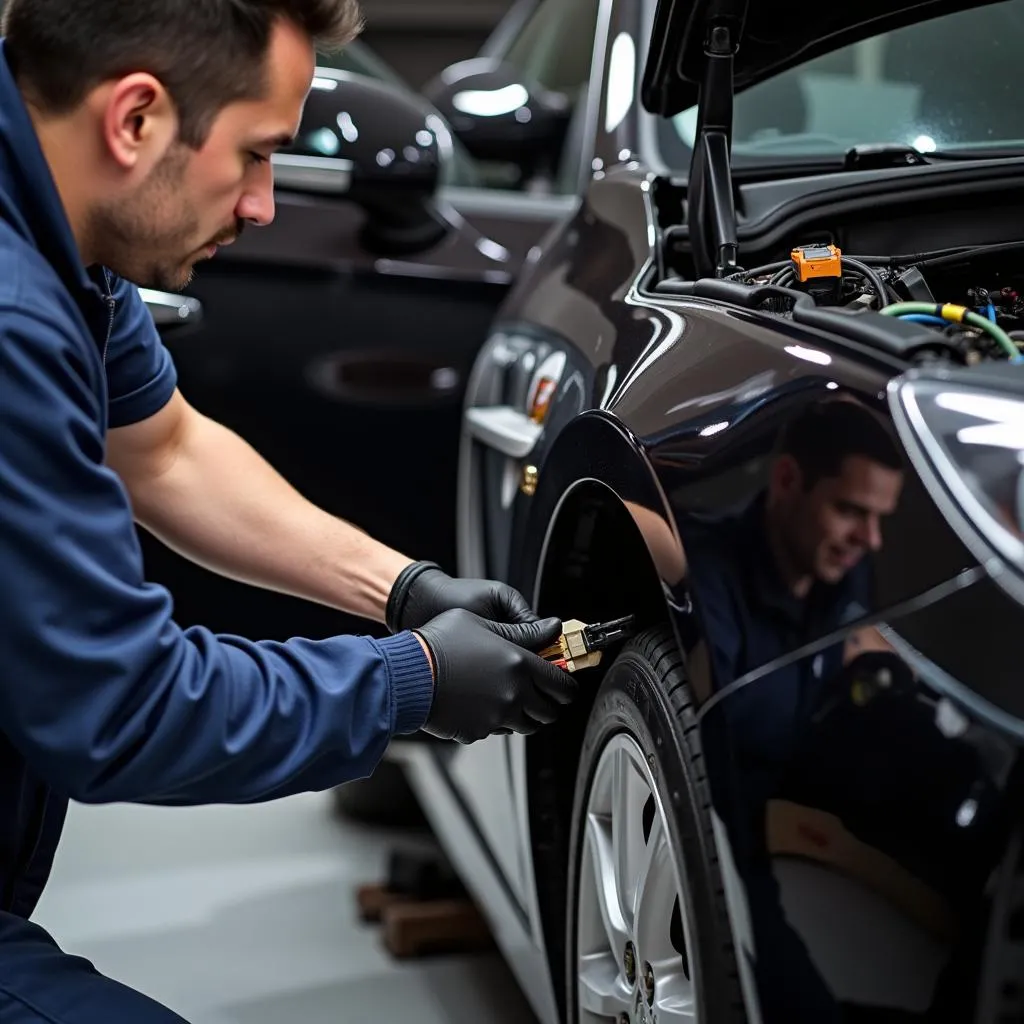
633,700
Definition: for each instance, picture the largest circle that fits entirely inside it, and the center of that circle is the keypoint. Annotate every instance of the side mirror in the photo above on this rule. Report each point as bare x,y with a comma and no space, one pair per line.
374,144
500,115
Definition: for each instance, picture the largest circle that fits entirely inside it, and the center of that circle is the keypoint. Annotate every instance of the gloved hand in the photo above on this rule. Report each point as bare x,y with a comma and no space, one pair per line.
423,591
487,681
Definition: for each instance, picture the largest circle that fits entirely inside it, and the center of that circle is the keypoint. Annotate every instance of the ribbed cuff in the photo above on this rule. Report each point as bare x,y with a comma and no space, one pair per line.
412,682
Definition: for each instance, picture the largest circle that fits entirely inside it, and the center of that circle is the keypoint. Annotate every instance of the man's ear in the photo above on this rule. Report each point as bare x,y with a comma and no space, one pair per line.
786,478
140,121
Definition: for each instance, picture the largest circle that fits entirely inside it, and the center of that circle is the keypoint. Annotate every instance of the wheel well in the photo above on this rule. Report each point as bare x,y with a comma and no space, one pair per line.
597,567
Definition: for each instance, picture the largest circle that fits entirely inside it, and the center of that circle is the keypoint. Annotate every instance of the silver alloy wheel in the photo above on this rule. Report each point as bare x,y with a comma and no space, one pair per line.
632,929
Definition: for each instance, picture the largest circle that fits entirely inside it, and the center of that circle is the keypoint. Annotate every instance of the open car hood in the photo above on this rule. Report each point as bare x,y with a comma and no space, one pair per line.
766,36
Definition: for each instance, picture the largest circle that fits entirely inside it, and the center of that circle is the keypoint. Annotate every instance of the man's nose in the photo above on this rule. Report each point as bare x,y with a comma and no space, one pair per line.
257,203
872,533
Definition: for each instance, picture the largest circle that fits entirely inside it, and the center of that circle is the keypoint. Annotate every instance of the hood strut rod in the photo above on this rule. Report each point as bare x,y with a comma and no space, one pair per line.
712,212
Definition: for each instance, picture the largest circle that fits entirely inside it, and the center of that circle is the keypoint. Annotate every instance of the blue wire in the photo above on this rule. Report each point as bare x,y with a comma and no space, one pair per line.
924,318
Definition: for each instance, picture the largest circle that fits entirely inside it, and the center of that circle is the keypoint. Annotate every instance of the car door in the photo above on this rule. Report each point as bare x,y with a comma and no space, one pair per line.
345,367
555,47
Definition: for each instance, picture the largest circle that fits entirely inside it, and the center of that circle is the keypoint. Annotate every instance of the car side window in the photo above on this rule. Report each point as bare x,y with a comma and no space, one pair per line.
359,59
555,49
556,45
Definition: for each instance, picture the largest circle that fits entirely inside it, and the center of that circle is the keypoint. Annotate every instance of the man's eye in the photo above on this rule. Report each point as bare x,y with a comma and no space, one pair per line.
257,158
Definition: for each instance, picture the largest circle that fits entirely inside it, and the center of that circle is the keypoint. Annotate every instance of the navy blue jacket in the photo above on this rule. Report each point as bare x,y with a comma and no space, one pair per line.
102,696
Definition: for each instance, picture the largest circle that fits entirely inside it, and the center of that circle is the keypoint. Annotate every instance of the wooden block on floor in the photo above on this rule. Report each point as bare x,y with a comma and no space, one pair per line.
436,926
373,900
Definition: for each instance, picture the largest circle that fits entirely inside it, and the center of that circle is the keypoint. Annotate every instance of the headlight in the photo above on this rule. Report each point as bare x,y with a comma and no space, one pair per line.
965,435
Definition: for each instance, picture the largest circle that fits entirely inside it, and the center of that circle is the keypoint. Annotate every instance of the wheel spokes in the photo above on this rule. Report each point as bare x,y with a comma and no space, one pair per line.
674,999
601,987
632,933
655,898
609,902
629,794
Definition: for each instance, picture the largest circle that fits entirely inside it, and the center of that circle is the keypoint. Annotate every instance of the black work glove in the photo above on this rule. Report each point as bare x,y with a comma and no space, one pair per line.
487,681
423,591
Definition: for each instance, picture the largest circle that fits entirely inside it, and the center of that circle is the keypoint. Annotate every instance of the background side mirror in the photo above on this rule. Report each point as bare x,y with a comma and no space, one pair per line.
376,145
500,115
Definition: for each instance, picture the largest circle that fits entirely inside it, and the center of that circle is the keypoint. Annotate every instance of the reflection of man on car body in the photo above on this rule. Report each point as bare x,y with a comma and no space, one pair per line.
793,566
789,570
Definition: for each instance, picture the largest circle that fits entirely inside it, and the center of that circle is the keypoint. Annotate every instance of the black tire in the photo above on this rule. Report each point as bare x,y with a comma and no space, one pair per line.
646,695
385,799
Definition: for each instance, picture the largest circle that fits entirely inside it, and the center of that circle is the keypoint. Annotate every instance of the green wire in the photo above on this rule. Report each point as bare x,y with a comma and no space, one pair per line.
973,319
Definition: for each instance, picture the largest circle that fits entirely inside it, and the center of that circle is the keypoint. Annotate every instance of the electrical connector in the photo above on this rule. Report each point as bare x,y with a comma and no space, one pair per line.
818,270
582,646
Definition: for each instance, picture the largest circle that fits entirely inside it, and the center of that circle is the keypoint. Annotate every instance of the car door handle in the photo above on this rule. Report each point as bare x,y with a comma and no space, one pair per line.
321,175
169,310
383,378
504,429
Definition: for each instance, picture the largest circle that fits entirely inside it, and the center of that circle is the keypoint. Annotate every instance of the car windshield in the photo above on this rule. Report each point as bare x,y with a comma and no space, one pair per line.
945,84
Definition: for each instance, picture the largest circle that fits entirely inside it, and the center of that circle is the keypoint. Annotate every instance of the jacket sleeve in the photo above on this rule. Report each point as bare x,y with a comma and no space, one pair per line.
105,696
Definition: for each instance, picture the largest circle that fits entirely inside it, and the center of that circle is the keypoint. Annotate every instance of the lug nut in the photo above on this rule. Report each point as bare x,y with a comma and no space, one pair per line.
649,983
629,963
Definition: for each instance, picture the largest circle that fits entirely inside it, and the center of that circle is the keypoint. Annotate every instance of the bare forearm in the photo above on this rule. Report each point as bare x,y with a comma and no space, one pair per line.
219,503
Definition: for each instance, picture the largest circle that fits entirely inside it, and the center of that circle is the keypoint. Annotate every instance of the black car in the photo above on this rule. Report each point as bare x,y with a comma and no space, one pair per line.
760,403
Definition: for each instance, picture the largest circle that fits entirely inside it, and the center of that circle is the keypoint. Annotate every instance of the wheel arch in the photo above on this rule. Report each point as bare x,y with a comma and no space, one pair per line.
600,543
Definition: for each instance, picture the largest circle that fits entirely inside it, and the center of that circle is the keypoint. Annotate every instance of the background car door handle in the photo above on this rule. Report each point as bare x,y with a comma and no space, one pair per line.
503,428
170,310
382,378
322,175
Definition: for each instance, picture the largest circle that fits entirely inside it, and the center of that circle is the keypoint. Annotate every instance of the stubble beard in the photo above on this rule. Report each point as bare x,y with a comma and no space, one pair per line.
145,238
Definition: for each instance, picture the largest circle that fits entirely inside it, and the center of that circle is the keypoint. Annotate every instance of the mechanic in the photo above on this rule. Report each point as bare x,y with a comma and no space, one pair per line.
134,138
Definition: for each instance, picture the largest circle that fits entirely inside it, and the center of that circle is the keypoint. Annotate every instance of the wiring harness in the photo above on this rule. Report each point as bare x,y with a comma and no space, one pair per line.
946,313
988,325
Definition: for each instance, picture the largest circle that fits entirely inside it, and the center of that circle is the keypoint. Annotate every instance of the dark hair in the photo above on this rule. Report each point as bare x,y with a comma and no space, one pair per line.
825,433
207,53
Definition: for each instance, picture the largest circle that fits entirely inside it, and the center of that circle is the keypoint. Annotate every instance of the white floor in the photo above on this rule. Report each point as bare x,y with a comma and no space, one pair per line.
245,916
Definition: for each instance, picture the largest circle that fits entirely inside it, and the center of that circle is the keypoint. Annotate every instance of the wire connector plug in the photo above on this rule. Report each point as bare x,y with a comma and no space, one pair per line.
582,646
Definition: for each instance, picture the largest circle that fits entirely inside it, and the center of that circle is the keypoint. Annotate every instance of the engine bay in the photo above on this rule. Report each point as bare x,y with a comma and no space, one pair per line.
971,297
923,264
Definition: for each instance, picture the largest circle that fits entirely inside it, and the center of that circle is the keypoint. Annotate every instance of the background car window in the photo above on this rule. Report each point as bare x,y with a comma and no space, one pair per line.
358,58
555,48
943,84
556,45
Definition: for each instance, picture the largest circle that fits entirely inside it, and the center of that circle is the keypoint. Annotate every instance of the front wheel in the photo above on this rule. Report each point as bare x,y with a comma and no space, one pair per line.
648,938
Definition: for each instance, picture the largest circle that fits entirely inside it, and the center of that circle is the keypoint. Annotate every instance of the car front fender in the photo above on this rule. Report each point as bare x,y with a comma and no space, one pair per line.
596,456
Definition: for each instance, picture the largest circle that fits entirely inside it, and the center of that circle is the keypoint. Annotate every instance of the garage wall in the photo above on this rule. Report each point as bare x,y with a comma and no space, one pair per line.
420,37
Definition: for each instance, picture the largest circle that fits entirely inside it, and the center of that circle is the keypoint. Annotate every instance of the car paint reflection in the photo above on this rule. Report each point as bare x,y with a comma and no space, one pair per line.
840,777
